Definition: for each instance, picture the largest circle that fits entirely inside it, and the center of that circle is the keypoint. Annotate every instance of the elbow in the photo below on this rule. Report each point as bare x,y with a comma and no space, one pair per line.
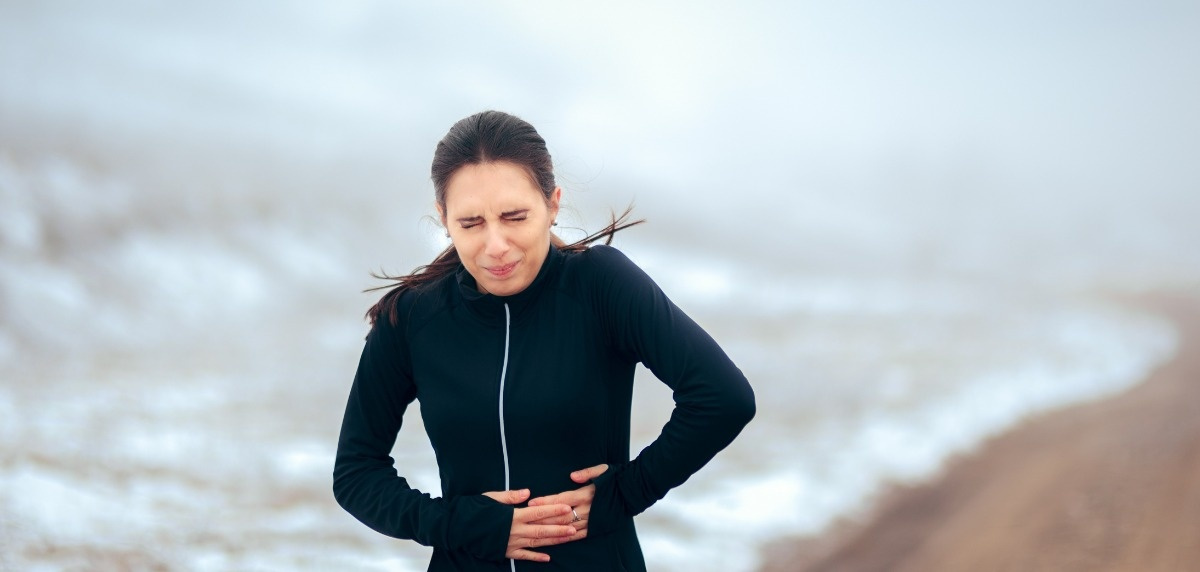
738,405
743,407
343,485
731,408
340,493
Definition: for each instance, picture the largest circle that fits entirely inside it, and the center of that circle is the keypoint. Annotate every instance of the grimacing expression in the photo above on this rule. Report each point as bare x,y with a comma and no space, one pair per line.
499,222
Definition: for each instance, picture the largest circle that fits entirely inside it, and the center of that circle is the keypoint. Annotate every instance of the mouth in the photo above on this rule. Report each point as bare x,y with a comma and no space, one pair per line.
501,271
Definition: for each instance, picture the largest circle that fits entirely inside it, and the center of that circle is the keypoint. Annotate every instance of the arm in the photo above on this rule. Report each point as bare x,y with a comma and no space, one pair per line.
365,482
713,400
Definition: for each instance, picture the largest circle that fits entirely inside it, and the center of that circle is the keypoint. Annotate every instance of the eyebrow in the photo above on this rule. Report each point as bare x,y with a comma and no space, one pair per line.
478,218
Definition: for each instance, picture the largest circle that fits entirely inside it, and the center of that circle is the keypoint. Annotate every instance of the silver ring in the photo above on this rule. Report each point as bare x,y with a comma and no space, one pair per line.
576,515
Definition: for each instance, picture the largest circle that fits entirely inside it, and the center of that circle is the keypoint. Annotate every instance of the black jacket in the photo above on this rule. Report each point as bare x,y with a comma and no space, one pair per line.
518,392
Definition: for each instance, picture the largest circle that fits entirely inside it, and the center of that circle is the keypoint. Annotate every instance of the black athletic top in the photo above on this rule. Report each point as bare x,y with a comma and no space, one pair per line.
518,392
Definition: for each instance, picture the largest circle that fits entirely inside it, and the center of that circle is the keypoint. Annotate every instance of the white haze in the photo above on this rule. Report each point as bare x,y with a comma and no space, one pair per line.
910,224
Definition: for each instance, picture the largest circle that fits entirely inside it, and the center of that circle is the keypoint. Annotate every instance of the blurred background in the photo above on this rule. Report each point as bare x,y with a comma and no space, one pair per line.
910,223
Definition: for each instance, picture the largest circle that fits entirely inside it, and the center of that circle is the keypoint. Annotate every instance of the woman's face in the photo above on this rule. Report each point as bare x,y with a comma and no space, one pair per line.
499,223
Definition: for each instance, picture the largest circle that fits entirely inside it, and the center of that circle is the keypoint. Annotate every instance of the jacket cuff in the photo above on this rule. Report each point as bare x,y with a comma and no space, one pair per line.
481,527
609,509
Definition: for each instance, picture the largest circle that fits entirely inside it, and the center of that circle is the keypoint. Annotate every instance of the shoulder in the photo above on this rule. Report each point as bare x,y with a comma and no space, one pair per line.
604,273
602,260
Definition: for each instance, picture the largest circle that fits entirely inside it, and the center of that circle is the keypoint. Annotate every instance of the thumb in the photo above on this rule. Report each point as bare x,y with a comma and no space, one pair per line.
584,475
508,497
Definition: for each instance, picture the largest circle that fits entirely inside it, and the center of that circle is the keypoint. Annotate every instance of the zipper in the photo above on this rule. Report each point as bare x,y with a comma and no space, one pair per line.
503,440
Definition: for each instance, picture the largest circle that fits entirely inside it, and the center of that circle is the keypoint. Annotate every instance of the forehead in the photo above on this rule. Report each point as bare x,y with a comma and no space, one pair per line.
485,186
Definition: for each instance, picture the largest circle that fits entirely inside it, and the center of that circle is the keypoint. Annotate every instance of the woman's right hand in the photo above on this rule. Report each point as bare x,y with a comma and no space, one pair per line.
524,534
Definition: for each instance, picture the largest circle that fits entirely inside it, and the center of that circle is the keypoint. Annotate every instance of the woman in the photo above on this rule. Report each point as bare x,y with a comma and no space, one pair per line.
521,351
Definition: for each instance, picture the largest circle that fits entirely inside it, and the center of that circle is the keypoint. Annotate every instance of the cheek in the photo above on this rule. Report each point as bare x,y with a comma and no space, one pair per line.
464,244
536,238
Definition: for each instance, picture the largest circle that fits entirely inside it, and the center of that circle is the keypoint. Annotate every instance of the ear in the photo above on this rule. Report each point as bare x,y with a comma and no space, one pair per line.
555,197
441,212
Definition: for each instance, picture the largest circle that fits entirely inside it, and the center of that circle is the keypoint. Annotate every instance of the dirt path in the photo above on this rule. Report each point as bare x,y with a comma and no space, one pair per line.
1109,485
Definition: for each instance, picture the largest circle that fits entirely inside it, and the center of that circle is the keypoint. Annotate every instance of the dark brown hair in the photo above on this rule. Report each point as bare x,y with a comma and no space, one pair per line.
486,137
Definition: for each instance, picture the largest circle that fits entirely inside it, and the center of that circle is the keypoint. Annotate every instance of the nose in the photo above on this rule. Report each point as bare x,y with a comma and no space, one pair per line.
497,244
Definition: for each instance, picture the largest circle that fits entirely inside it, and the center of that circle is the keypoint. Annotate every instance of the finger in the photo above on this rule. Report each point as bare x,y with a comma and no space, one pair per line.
522,554
560,519
578,512
580,535
569,498
536,513
575,498
508,497
584,475
528,535
578,525
583,512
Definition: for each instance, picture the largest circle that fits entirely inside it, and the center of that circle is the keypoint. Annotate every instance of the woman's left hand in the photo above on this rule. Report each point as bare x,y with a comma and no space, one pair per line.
579,499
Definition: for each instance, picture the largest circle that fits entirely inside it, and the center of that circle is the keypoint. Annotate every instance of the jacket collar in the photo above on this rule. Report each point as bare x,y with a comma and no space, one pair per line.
491,307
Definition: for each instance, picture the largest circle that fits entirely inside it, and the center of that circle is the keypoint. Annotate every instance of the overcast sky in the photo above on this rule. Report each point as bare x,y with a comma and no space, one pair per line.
843,117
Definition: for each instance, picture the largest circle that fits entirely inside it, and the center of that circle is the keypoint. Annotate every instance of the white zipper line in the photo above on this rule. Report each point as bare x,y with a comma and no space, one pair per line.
503,440
503,373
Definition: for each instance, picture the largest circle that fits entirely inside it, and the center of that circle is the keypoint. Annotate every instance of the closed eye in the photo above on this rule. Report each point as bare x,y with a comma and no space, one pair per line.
470,221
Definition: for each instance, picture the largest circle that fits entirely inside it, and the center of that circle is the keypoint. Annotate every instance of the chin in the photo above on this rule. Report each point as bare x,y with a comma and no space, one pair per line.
502,289
506,287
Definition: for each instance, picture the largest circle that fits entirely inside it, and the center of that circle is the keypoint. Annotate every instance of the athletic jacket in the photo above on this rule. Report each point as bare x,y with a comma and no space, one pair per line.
518,392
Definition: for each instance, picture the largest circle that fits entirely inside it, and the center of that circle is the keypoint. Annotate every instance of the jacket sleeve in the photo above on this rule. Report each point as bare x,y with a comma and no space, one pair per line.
713,400
365,482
